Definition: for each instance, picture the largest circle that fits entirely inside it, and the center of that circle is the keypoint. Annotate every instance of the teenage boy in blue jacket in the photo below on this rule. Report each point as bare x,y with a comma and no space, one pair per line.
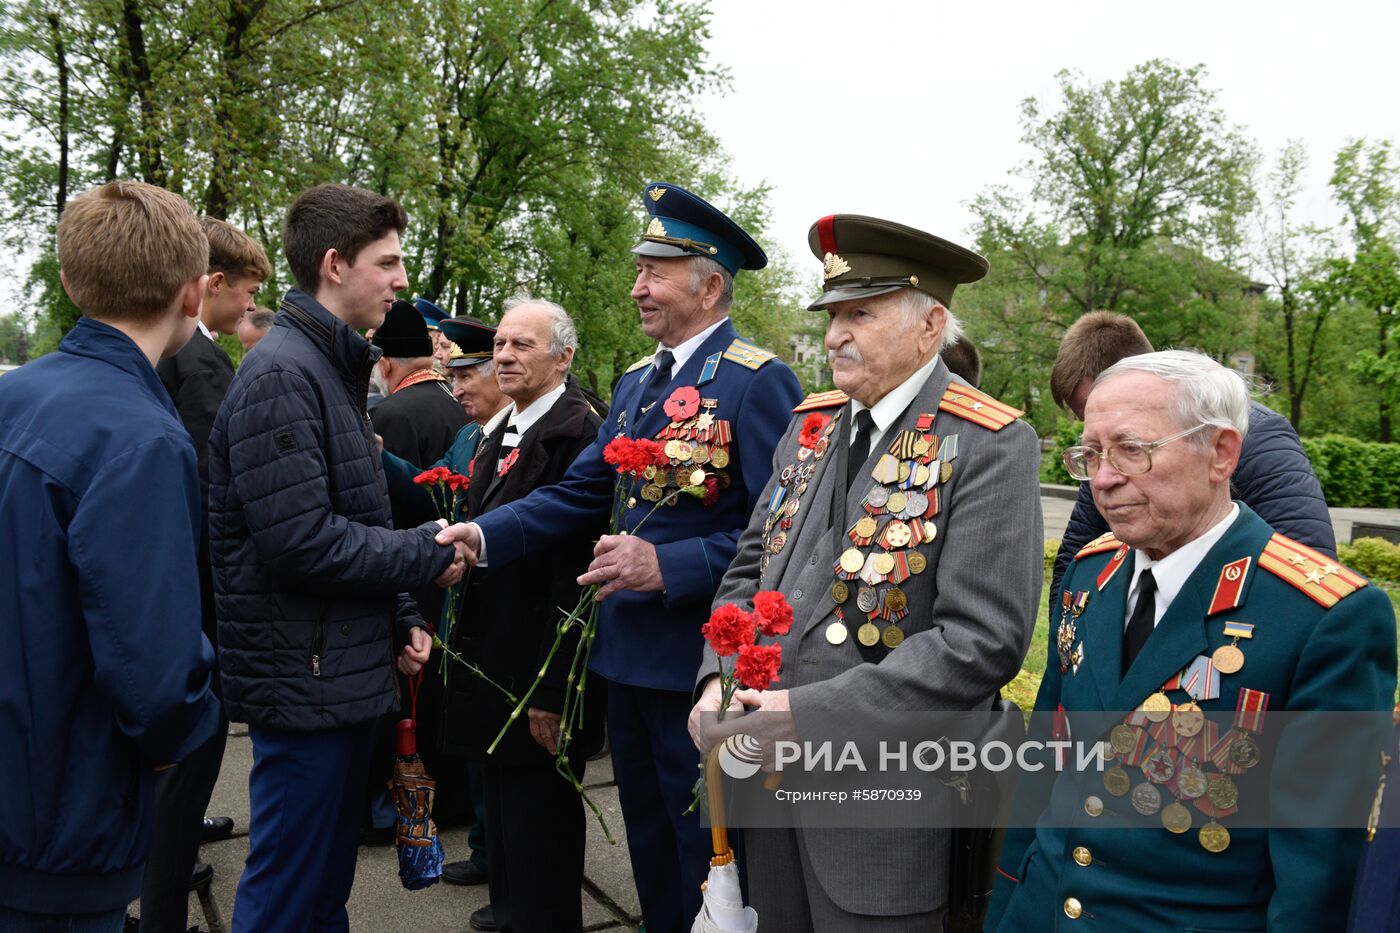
104,674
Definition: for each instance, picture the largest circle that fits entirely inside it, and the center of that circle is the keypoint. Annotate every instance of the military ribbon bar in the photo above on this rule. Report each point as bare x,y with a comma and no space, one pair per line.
1201,680
1250,709
1239,630
924,423
948,449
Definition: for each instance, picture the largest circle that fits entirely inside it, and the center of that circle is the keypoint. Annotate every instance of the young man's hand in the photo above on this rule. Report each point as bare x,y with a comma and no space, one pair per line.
415,654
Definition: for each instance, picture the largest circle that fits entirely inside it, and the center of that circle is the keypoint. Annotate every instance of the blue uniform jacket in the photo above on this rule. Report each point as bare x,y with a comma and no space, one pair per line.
1125,872
104,673
653,639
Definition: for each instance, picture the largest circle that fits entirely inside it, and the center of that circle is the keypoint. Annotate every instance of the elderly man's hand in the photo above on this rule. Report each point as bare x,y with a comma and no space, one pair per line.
415,654
623,562
462,557
544,727
702,722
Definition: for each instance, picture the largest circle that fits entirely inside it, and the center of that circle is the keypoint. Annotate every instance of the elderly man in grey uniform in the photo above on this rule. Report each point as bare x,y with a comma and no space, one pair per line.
929,599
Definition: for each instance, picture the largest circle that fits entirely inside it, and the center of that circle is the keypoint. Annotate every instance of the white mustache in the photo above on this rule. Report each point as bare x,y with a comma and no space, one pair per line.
848,352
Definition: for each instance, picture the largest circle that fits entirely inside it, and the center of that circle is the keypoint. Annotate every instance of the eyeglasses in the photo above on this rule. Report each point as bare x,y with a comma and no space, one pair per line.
1131,458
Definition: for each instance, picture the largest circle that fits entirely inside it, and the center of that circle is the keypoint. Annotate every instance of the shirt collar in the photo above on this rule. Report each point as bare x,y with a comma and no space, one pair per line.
524,420
687,349
496,420
203,329
1171,572
887,410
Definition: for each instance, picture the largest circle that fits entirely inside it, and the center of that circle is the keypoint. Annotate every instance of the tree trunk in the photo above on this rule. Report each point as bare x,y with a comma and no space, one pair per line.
153,168
60,57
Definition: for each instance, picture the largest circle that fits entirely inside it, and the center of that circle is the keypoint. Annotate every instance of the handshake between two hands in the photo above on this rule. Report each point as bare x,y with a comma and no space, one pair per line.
465,541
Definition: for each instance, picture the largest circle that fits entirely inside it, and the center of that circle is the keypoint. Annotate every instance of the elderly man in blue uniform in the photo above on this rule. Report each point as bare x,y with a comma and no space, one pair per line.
1192,605
656,586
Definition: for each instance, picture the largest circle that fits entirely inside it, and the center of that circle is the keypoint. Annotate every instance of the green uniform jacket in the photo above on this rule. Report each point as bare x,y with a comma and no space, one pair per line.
399,473
1121,871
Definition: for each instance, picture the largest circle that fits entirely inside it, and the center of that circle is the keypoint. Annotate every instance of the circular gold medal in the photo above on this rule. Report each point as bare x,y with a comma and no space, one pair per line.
836,632
884,563
1188,719
1191,783
1244,753
1176,818
1223,793
1214,837
920,474
700,454
697,478
895,600
683,450
1146,799
945,472
903,471
720,457
840,592
1156,707
865,528
673,449
922,447
852,560
1116,781
1124,738
649,472
651,492
892,637
898,533
868,635
1228,659
1093,806
898,500
918,563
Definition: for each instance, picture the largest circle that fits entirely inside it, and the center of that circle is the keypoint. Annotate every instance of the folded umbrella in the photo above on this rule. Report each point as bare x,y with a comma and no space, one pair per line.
722,907
420,848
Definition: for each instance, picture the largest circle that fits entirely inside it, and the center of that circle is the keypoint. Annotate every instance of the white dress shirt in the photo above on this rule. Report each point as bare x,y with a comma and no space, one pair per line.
888,409
687,349
1171,572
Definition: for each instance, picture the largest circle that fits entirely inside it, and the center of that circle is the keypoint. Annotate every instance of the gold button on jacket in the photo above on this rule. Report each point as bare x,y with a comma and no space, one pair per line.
1073,908
1082,856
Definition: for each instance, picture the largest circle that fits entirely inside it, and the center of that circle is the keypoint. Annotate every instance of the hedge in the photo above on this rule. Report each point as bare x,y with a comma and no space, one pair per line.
1376,558
1357,474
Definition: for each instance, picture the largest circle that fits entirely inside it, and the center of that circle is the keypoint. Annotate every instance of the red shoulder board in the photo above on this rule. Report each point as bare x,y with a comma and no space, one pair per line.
1104,542
1324,580
978,407
823,400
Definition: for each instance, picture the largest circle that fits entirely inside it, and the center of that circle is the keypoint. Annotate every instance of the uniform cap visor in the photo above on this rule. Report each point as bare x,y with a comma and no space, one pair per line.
850,293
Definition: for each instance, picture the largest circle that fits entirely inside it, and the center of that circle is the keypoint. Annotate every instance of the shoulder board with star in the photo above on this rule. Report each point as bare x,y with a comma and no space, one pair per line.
978,407
1104,542
1322,579
823,400
746,354
644,361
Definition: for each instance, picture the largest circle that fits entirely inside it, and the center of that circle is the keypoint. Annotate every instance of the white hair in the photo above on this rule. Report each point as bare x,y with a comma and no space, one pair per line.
701,268
1207,393
916,306
562,333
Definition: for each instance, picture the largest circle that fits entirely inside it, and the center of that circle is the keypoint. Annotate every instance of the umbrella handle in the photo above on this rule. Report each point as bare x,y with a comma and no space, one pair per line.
714,787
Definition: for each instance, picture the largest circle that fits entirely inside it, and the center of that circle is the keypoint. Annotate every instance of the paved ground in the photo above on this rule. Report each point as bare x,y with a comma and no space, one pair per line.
379,904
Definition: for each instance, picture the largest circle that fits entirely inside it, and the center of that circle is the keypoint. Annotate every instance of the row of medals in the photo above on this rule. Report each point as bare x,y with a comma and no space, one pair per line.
690,445
1160,766
898,518
793,482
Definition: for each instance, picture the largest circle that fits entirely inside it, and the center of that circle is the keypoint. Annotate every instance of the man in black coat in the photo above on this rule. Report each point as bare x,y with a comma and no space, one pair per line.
419,419
1274,476
535,821
197,378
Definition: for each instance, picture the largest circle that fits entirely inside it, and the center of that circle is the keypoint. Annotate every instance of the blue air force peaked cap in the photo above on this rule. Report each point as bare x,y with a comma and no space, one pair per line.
471,340
431,313
683,224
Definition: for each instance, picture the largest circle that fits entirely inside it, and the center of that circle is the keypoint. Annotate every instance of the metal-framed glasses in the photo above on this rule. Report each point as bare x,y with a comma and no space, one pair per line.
1131,458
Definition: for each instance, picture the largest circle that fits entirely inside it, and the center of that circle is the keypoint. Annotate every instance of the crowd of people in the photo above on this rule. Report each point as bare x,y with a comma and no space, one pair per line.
188,544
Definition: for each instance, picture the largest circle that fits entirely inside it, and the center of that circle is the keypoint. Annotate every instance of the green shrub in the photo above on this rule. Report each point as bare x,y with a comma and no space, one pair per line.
1052,465
1376,558
1052,547
1354,473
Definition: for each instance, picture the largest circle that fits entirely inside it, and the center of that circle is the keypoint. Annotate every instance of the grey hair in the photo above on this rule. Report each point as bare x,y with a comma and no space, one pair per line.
1207,393
916,306
562,333
701,268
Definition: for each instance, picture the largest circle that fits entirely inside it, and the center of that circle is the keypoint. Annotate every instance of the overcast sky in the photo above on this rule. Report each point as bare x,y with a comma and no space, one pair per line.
906,110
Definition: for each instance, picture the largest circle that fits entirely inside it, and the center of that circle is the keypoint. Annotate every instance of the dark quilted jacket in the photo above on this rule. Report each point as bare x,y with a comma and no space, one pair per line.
308,574
1274,478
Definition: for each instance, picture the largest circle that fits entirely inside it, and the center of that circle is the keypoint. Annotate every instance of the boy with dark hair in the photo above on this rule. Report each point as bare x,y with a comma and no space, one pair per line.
197,378
104,675
309,575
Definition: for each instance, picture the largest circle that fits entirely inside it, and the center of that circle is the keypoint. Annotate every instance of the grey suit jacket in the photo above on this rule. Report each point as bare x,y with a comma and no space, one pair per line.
972,613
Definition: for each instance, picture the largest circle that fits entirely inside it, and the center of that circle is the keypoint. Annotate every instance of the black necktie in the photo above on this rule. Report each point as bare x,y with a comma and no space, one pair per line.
860,447
1141,624
660,377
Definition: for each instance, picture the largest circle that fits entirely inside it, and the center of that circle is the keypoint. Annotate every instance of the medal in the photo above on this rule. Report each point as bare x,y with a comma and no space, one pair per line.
897,502
1228,659
866,600
1093,806
1159,767
895,600
851,560
945,472
1146,799
877,497
917,562
1124,738
836,632
868,635
892,637
1191,783
778,543
865,529
719,457
1116,781
1214,837
1244,753
897,534
1223,793
1156,707
1176,818
840,592
884,563
1188,719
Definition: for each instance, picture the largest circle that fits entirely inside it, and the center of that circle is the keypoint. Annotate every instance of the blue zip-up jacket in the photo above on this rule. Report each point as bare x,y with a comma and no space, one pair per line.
104,673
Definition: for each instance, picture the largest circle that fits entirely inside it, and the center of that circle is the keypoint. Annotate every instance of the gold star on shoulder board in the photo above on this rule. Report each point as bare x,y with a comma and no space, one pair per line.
1297,560
1330,569
1314,576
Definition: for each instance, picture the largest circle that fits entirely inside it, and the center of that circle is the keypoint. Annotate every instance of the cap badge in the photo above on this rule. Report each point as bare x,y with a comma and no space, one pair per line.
656,193
833,265
655,228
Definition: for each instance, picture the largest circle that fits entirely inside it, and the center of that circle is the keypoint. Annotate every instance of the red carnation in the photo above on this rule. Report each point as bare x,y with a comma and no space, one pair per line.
633,456
757,667
458,483
772,612
683,403
812,428
730,629
711,491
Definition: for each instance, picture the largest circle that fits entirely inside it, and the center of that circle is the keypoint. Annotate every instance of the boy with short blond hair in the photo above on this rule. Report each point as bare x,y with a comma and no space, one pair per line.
103,671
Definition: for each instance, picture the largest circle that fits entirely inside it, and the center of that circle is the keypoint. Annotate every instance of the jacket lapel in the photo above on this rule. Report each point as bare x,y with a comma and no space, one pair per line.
647,425
1101,630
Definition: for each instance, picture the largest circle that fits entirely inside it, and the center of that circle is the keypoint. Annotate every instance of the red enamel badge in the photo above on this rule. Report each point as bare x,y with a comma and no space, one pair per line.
1229,589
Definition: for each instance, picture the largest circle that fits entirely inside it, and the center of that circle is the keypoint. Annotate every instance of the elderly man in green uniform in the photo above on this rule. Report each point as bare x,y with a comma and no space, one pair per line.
1191,606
